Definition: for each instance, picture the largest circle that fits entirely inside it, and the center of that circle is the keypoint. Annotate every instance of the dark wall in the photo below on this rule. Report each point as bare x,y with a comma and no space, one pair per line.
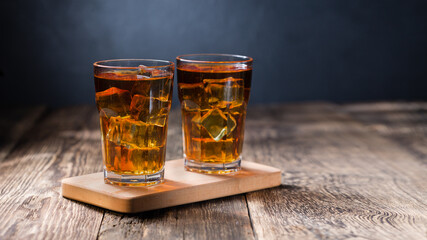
303,50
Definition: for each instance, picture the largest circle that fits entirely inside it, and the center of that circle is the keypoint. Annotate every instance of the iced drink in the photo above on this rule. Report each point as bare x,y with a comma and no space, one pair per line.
214,95
133,105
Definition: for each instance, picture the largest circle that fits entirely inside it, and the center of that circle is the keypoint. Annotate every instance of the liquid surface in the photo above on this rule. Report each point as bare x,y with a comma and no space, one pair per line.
133,109
213,105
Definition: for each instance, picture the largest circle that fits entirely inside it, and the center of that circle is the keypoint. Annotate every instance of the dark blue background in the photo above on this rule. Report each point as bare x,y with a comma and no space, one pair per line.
303,50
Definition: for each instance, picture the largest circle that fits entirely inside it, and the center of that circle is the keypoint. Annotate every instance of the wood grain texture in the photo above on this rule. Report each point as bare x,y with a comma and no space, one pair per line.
340,180
14,122
180,187
65,143
353,171
405,123
227,217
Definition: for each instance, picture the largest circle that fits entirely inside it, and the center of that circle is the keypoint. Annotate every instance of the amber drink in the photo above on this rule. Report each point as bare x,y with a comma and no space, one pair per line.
214,91
133,99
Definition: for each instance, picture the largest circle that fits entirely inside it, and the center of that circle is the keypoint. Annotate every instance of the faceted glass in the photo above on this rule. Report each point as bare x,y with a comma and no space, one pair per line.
133,99
214,91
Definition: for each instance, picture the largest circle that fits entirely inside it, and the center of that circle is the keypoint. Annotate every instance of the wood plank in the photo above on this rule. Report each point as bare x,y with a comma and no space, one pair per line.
65,143
405,123
180,187
340,180
14,122
226,217
343,178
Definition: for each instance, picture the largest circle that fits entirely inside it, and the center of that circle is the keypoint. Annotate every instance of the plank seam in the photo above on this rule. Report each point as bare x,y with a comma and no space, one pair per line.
100,224
250,217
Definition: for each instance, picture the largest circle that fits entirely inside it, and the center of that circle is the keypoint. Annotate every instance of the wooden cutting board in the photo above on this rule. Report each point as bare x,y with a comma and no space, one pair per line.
180,187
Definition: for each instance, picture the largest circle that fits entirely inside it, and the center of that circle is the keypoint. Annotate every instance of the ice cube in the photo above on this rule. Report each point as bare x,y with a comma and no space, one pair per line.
134,160
131,133
113,102
191,121
215,123
114,129
146,160
149,109
213,151
144,71
107,113
164,87
189,106
150,71
237,109
113,155
231,124
197,119
193,92
153,87
224,92
196,128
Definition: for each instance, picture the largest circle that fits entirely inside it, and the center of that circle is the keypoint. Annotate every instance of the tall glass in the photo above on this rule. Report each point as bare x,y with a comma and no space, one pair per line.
214,92
133,97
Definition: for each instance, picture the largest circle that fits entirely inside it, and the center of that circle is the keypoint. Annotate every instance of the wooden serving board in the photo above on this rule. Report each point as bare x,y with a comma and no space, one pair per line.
180,187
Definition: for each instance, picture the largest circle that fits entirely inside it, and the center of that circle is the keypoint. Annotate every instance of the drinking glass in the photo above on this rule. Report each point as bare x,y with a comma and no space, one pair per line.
133,97
214,91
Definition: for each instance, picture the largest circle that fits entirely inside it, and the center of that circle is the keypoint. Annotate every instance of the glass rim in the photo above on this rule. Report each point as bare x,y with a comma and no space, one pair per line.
102,65
245,60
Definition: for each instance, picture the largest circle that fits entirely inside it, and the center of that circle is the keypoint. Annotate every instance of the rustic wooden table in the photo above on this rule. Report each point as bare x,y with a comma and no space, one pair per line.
354,171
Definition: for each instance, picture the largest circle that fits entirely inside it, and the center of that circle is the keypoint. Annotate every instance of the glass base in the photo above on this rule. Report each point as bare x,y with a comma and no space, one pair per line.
212,168
133,180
